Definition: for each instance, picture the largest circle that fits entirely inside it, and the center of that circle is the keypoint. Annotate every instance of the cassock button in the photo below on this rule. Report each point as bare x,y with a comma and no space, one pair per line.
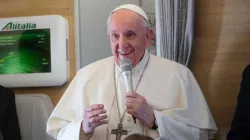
129,120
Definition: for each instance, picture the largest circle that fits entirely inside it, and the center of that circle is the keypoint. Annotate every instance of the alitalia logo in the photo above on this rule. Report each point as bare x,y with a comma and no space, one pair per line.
17,26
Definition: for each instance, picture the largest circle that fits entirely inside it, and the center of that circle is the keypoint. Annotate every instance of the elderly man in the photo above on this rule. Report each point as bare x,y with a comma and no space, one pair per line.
166,101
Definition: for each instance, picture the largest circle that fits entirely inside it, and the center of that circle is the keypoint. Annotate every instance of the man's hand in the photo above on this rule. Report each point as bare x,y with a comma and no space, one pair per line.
94,116
138,107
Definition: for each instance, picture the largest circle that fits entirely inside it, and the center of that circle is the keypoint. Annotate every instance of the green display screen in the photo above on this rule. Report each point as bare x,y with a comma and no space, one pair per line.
25,51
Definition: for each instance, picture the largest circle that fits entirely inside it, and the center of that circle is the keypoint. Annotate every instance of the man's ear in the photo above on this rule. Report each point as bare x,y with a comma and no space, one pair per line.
108,34
149,35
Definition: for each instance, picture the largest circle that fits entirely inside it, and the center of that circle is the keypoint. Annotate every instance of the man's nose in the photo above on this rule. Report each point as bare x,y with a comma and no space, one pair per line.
123,43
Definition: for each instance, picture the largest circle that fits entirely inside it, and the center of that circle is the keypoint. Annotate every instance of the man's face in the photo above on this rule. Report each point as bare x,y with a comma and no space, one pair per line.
128,36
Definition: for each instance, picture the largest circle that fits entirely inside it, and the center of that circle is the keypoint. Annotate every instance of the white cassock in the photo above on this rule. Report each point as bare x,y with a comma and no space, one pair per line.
180,108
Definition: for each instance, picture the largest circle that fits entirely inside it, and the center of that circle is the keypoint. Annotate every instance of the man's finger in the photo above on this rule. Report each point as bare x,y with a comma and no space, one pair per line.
131,95
95,107
129,105
130,100
100,118
96,113
92,120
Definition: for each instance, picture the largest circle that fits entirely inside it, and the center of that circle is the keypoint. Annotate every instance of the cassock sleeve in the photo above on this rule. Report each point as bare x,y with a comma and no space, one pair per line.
65,122
191,119
170,129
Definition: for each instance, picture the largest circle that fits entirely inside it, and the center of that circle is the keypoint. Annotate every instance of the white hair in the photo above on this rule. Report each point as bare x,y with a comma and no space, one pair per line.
144,23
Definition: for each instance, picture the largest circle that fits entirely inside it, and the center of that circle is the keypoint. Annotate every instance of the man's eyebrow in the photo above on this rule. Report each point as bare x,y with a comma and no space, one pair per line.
125,32
113,31
130,31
